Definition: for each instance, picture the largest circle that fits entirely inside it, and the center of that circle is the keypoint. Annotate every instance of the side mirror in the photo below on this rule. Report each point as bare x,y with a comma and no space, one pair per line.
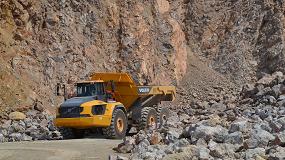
57,89
64,92
60,87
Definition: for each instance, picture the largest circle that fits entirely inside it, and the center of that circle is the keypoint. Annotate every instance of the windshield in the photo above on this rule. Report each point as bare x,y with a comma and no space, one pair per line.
87,89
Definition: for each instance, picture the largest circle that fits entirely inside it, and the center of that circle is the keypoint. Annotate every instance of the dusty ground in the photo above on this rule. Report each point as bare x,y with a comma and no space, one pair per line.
89,149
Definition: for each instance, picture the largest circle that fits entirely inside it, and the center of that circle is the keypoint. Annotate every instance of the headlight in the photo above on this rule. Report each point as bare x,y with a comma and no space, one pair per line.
98,109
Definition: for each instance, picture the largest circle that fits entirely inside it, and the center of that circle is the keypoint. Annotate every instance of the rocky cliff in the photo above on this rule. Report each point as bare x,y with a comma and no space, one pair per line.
43,42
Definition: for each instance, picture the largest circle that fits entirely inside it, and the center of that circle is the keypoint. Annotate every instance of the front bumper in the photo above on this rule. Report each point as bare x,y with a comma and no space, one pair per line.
83,122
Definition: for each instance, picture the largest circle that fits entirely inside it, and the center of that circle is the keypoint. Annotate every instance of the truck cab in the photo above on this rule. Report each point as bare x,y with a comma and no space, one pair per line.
91,106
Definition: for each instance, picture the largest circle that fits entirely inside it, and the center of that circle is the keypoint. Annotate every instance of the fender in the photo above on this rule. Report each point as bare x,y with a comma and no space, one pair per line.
111,107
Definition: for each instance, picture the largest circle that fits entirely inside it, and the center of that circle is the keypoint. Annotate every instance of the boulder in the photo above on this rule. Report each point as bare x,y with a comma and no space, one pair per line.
127,146
15,137
273,79
32,114
56,135
121,158
281,120
140,136
17,127
249,90
118,157
241,125
155,138
258,138
4,132
281,103
234,138
263,92
189,151
17,116
280,139
28,122
204,153
275,126
276,153
172,136
263,125
39,107
217,133
254,153
2,138
212,121
277,90
27,138
281,97
6,124
222,150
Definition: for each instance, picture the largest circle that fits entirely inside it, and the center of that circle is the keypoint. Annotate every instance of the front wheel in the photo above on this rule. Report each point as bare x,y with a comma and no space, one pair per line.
118,126
70,133
78,133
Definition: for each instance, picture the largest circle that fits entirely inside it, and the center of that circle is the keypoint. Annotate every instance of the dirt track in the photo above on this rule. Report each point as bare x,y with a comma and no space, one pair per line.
77,149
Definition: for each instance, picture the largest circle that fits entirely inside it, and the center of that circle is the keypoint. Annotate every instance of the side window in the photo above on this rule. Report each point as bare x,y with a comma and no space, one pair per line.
100,88
93,90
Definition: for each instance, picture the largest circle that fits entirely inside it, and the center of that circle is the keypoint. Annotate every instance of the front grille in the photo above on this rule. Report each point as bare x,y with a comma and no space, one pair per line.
70,112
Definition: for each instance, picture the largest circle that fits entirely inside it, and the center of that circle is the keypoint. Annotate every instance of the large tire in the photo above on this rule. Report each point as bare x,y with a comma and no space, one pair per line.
66,133
118,127
69,133
78,133
148,118
163,115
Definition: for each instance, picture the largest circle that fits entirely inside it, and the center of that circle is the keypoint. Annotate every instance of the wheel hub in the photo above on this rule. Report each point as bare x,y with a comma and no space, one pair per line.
120,124
151,121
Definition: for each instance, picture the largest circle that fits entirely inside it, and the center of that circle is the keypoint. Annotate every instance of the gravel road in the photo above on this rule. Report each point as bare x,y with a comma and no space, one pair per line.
76,149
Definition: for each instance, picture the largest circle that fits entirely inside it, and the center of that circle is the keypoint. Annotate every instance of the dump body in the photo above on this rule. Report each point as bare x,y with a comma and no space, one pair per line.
128,93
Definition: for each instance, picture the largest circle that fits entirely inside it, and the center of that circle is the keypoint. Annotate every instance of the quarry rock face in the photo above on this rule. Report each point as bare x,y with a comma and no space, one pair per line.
239,39
48,42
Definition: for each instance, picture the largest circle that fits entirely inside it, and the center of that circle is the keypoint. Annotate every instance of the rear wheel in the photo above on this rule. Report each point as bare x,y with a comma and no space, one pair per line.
163,115
148,118
118,127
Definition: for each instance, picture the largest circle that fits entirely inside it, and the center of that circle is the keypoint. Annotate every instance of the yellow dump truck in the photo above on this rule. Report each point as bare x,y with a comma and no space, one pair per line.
113,102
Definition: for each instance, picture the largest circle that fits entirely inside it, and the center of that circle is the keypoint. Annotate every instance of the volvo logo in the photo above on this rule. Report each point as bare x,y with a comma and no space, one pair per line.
143,90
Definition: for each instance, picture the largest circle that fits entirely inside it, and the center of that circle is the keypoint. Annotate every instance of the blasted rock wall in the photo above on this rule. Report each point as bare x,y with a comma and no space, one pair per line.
241,39
46,42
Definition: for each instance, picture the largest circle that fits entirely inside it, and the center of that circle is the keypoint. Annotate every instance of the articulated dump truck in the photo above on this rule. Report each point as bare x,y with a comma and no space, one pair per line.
114,103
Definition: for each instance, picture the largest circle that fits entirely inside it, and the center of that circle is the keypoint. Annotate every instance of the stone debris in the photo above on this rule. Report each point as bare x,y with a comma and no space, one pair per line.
29,126
253,129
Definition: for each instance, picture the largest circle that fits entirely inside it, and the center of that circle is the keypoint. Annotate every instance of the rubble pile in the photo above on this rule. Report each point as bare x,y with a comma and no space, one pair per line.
250,125
28,126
